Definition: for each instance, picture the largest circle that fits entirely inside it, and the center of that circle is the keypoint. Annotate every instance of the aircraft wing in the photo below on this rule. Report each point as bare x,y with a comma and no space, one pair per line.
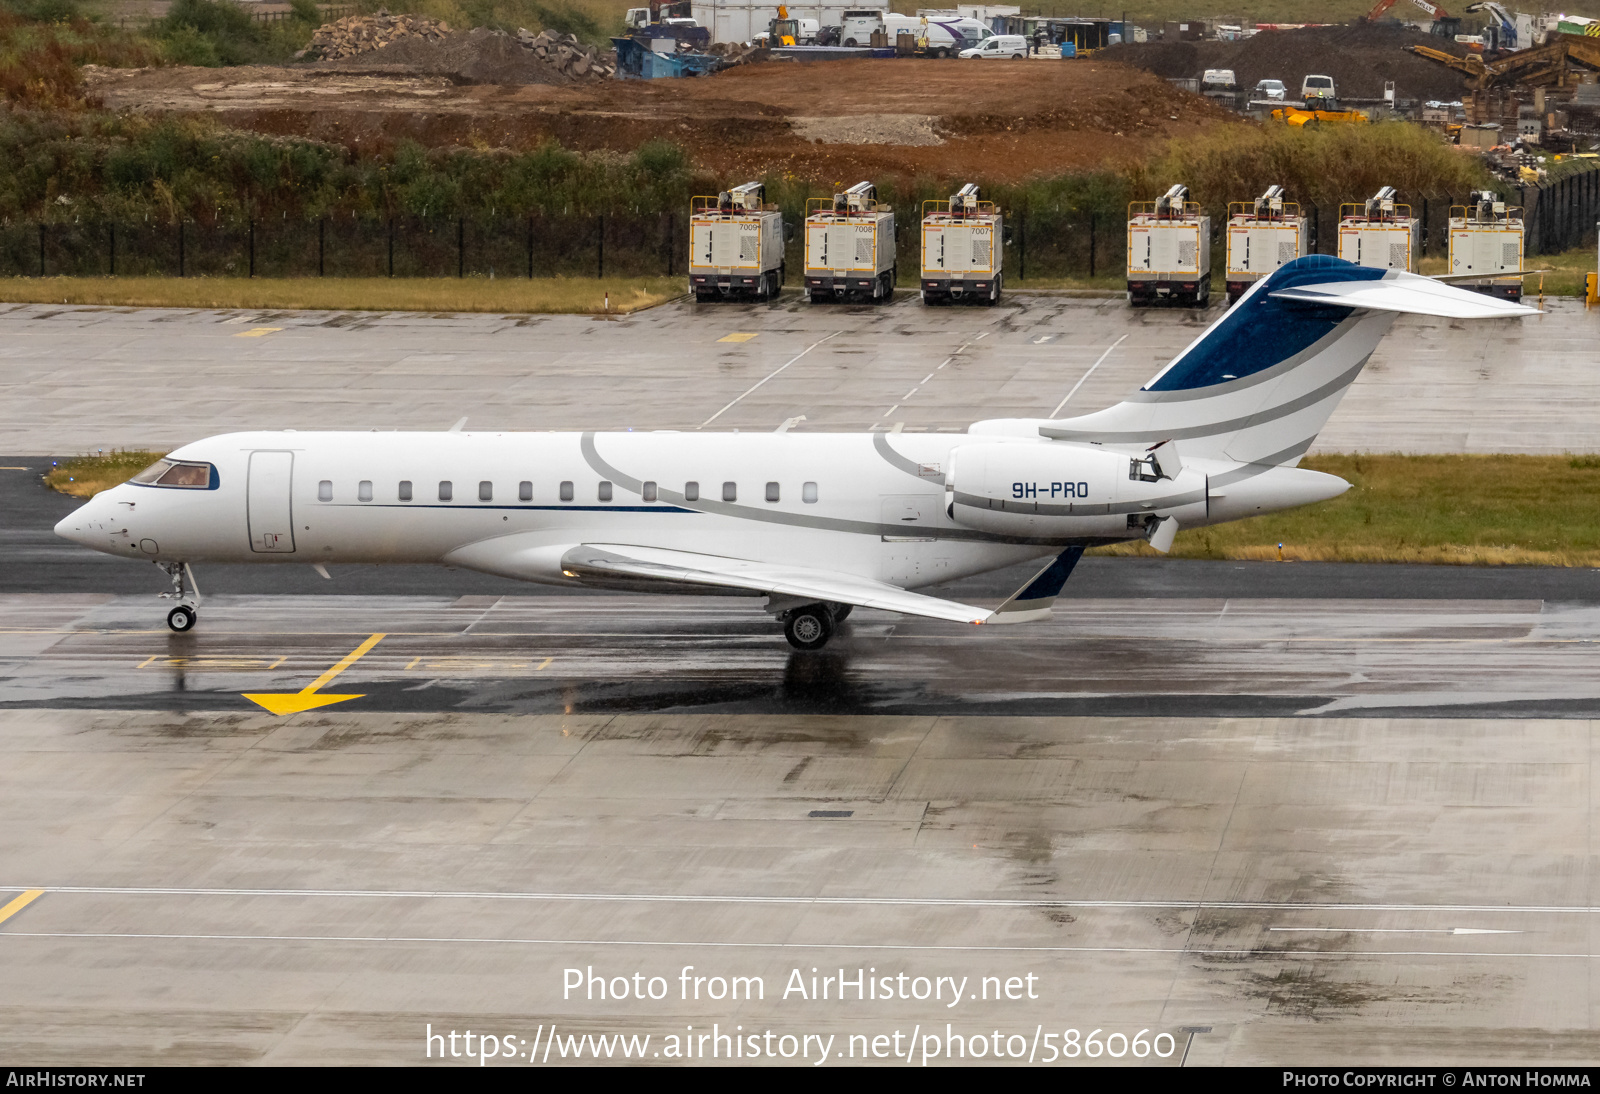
669,567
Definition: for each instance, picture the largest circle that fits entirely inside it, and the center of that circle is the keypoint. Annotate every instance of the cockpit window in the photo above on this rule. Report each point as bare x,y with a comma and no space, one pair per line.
178,473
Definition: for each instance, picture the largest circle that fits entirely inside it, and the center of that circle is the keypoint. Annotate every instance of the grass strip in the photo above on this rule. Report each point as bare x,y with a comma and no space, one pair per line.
1457,510
570,295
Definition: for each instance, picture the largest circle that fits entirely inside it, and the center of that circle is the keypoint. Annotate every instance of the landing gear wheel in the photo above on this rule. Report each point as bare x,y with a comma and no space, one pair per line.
809,628
841,612
181,619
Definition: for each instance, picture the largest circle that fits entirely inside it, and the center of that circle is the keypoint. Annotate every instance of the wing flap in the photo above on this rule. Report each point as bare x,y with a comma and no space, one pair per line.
774,579
1406,292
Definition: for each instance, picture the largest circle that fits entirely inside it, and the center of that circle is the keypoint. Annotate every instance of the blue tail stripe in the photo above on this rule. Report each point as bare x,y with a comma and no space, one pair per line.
1261,331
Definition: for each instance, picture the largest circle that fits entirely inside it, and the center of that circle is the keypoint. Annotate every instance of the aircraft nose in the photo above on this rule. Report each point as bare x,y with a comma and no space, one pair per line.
80,524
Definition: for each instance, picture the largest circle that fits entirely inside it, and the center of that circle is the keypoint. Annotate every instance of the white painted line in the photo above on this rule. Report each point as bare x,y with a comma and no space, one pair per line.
848,901
589,942
769,376
1394,930
1086,375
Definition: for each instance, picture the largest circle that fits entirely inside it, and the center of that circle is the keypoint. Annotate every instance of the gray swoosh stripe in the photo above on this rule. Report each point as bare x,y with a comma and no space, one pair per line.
1215,429
880,441
796,520
1145,395
1044,509
1263,465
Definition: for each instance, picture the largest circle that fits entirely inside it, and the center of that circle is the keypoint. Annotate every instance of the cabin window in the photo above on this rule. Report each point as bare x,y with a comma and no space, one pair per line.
325,490
405,489
566,490
691,491
772,491
524,491
808,493
446,490
730,491
605,490
364,490
648,492
486,490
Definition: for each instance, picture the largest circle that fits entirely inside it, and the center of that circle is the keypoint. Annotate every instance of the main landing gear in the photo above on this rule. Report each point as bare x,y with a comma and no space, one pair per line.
183,617
809,628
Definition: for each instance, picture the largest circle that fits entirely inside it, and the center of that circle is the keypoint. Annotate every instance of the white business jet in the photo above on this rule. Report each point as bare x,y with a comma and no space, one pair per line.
815,523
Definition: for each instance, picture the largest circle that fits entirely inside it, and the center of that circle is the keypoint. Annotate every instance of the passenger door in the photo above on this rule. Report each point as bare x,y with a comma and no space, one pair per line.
268,503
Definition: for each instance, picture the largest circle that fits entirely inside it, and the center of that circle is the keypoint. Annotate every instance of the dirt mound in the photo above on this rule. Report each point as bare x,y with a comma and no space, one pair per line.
485,56
1359,58
360,34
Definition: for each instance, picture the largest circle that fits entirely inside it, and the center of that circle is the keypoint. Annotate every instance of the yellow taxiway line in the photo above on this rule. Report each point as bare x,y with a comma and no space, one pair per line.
20,903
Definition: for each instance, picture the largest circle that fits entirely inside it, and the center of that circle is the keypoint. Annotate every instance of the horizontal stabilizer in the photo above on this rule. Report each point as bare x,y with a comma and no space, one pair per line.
612,560
1405,292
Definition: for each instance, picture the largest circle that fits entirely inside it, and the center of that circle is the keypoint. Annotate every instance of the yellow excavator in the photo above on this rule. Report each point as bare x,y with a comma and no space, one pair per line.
783,30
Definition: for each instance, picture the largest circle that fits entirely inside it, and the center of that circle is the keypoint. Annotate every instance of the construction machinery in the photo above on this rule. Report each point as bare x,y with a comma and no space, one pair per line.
1486,239
783,31
1169,251
663,41
1444,24
735,245
849,247
1296,117
1502,25
1379,233
1262,235
1548,65
963,240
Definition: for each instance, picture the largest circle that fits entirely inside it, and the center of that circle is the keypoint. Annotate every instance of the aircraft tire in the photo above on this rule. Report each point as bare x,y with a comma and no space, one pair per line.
809,628
181,619
841,612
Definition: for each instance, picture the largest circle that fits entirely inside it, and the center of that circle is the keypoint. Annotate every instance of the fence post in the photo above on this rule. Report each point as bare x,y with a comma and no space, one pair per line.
41,248
1422,237
600,248
1022,246
113,227
671,226
252,246
461,246
181,272
391,246
322,244
1091,244
530,246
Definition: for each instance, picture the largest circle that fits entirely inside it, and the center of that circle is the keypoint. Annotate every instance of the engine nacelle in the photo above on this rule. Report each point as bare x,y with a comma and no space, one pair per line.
1062,489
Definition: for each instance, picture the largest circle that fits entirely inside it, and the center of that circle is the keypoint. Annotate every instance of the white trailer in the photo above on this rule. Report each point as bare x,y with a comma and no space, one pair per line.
1486,238
735,245
850,247
1379,233
1169,251
963,241
1262,235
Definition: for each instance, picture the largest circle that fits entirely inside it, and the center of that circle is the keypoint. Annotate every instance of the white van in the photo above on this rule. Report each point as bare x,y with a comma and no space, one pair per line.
938,35
1007,46
1317,87
857,27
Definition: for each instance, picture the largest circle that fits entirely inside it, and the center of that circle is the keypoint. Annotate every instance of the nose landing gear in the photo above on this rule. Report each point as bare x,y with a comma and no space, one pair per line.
183,617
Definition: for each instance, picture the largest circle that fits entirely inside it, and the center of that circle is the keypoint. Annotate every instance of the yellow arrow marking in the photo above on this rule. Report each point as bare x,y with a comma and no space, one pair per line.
258,332
281,703
20,903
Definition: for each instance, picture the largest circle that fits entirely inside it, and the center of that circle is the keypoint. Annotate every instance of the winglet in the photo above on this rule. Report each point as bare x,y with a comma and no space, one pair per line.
1033,601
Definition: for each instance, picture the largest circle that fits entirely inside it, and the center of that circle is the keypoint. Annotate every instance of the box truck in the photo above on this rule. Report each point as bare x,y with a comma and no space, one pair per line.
849,247
1169,251
962,245
735,245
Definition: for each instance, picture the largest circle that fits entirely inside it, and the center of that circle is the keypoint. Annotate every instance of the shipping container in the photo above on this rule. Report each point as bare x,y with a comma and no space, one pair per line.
849,247
962,248
1169,251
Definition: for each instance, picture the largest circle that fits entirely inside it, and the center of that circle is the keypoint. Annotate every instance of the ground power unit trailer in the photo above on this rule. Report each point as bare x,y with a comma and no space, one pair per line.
1379,234
963,242
1486,239
1169,251
1262,235
850,251
735,245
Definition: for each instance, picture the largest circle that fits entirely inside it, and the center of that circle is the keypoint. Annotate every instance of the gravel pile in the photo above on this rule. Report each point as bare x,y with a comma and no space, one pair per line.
487,56
360,34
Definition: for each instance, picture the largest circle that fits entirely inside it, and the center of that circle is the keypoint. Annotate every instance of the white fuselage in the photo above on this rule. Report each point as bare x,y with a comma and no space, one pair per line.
871,505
